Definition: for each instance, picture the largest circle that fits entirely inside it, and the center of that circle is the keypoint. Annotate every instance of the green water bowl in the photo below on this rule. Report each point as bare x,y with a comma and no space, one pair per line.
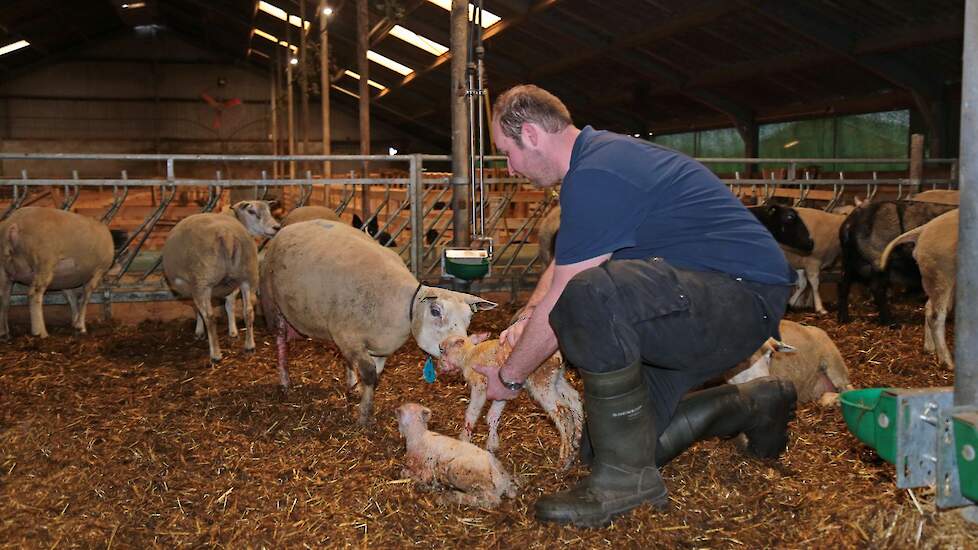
966,443
467,264
871,416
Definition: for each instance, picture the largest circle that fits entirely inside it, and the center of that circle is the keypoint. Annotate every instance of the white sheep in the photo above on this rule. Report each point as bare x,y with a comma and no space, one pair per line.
805,355
475,476
50,249
546,385
329,281
210,255
936,253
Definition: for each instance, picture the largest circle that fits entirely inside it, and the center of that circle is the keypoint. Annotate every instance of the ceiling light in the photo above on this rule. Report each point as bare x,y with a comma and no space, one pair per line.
272,38
14,47
294,61
392,151
327,11
389,63
133,5
791,144
636,135
279,13
352,74
488,19
417,40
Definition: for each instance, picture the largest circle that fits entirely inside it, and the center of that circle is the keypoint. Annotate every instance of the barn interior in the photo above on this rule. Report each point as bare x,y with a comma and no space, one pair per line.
143,113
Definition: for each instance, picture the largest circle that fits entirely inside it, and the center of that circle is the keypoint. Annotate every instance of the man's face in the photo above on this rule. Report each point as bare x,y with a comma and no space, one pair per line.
529,161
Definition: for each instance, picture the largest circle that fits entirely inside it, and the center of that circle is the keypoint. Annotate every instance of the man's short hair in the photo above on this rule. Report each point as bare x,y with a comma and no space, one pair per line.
529,103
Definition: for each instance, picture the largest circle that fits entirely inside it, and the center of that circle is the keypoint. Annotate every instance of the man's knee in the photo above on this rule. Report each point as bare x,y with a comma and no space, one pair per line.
585,323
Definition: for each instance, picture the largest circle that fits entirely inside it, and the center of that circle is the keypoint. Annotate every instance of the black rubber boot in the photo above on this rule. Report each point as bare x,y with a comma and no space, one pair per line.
761,409
621,425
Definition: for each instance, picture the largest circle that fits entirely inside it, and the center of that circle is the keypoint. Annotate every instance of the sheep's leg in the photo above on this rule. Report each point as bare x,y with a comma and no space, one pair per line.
199,327
552,402
799,288
72,300
842,303
42,278
878,285
940,340
359,358
248,310
351,378
813,281
282,348
6,287
492,418
86,296
202,300
930,318
232,317
477,400
482,499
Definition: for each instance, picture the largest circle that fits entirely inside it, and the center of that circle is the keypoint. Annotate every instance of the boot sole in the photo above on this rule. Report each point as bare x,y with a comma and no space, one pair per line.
659,502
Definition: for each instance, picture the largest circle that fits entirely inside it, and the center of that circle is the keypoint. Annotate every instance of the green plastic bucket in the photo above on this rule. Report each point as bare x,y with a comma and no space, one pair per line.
966,442
466,264
872,417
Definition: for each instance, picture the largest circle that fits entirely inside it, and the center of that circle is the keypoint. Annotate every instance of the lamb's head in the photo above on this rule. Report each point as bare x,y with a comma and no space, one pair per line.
411,417
257,218
440,314
453,350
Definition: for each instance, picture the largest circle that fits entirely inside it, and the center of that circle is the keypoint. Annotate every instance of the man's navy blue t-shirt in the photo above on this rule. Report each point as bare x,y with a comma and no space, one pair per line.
636,199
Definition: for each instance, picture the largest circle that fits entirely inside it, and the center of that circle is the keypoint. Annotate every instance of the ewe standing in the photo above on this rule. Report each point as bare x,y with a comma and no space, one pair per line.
329,281
211,255
46,248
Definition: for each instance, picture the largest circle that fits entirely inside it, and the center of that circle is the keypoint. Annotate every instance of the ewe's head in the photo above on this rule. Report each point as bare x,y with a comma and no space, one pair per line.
257,218
440,313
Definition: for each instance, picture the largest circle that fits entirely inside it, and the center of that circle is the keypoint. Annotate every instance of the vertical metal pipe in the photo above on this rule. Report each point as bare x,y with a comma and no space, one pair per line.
290,100
916,161
460,125
303,82
966,311
324,84
363,35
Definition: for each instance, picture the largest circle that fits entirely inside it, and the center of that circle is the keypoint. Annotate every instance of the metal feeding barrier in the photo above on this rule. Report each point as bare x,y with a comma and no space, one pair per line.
412,211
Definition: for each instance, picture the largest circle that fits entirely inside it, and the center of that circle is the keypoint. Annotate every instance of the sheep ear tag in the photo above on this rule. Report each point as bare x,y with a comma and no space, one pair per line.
429,371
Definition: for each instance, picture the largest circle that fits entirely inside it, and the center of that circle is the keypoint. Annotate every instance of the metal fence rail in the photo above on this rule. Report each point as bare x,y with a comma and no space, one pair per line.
408,207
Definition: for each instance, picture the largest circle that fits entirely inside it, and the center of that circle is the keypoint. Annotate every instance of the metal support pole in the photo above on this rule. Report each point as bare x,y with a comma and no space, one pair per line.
966,310
417,215
324,84
363,36
916,161
460,123
273,105
303,82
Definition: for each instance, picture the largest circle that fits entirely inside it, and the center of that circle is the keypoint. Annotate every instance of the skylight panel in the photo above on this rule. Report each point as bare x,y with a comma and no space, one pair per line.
488,18
417,40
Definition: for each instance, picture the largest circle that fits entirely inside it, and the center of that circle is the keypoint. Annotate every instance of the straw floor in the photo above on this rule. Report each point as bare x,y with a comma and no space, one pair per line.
127,437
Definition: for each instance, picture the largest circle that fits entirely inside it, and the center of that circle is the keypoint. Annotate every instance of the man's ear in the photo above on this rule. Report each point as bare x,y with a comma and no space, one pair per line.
530,133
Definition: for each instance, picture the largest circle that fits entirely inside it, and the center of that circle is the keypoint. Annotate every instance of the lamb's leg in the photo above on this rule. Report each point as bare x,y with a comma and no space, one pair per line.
232,317
42,278
813,280
552,402
248,311
86,296
6,287
477,400
282,347
482,499
492,418
202,300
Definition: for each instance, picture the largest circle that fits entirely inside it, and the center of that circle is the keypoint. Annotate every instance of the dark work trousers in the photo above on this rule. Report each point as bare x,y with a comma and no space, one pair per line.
686,327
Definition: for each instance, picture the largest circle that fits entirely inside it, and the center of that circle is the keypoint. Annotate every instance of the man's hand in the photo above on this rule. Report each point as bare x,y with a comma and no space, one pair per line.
512,333
495,390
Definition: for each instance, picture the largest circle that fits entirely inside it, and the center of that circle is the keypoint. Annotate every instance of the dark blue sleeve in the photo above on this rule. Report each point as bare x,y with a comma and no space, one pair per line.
600,213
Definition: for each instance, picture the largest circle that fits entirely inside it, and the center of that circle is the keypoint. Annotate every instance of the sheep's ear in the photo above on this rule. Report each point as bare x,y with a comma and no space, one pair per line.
782,347
857,201
478,304
479,337
425,414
